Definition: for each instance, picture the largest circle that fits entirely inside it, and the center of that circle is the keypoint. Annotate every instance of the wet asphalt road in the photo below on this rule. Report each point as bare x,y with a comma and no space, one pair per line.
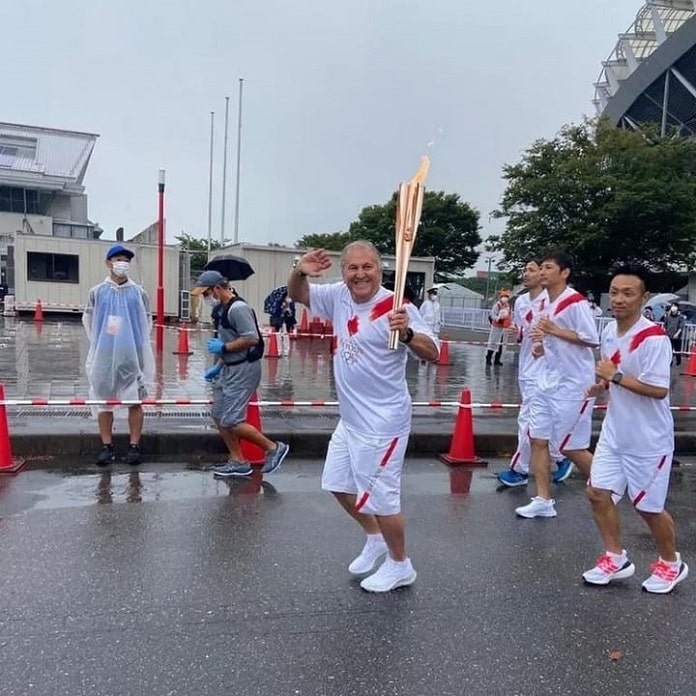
165,582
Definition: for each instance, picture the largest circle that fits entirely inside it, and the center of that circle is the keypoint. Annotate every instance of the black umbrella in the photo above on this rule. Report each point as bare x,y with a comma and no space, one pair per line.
232,267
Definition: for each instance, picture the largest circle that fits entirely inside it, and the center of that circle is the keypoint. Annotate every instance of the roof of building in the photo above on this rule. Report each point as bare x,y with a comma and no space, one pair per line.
655,22
45,158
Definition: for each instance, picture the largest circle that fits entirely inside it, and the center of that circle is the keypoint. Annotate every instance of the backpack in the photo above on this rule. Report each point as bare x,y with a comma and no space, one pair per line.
255,352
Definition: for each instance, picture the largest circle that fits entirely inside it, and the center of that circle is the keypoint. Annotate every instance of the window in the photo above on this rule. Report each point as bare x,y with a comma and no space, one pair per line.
55,268
19,200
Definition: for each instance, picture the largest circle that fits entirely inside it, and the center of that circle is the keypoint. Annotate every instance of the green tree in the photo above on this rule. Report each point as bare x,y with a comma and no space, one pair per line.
448,231
333,241
198,249
604,195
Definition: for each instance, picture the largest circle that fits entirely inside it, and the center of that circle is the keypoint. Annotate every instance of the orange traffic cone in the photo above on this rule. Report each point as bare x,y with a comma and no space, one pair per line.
253,453
272,351
304,322
461,450
183,345
444,358
183,367
691,364
8,465
38,311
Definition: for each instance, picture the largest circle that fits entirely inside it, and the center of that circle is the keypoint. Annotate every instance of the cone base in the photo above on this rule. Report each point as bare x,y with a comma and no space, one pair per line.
476,462
16,465
182,352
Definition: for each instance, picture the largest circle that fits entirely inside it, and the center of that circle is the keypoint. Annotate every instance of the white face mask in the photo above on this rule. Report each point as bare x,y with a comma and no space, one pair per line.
211,301
120,268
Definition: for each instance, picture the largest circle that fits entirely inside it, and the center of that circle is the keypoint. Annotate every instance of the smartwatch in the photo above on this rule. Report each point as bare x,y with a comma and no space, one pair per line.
617,377
409,335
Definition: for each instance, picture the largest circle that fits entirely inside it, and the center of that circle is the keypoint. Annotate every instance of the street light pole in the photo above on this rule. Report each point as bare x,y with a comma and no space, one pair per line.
159,343
239,163
210,183
489,259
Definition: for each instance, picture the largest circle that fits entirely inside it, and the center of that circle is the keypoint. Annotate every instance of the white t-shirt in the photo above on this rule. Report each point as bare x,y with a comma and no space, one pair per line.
430,311
370,379
633,423
568,369
525,315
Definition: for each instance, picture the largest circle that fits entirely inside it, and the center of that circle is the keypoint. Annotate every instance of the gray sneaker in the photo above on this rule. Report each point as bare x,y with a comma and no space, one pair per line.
233,468
275,458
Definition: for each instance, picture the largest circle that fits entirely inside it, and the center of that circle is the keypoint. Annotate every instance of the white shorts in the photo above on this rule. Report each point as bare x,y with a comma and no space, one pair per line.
568,423
366,466
645,476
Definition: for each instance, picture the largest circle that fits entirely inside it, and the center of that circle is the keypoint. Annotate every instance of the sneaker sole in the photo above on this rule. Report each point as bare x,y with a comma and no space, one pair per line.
280,461
369,571
530,516
404,582
682,576
511,485
561,479
622,574
218,474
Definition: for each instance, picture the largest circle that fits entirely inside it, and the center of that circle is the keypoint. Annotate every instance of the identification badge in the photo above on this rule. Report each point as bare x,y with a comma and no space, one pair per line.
114,324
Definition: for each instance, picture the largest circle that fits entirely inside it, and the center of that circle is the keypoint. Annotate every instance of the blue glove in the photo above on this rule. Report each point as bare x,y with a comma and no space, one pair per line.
216,346
212,372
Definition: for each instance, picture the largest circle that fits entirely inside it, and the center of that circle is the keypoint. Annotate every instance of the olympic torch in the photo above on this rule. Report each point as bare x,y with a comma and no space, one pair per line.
409,205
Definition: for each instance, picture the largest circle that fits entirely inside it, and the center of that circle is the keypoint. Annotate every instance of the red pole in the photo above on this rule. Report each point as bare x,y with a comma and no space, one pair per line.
159,334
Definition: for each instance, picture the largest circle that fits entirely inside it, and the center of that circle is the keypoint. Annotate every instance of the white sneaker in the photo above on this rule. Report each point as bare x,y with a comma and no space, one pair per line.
538,507
664,577
370,557
607,570
391,574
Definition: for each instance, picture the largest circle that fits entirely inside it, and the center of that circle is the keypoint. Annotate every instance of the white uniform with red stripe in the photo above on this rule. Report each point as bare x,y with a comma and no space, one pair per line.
525,314
367,448
558,410
637,439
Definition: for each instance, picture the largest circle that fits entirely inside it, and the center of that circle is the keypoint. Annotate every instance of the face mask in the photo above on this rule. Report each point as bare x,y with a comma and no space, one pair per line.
120,268
211,301
673,310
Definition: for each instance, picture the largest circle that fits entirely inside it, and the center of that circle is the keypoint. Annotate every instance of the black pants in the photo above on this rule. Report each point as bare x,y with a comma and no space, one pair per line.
676,350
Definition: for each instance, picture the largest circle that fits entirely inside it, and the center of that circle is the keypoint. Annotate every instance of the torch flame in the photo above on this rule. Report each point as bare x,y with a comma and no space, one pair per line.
419,176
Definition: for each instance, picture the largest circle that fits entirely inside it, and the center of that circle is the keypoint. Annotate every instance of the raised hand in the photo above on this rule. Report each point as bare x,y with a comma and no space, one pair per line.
313,263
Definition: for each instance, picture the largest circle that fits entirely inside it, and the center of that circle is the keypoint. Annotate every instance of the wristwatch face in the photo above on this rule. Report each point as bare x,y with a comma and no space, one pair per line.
618,376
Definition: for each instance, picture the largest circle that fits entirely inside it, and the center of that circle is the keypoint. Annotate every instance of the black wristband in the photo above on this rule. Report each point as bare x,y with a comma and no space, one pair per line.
409,336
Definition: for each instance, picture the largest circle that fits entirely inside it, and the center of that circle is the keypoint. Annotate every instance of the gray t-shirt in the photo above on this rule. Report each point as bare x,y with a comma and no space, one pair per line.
241,324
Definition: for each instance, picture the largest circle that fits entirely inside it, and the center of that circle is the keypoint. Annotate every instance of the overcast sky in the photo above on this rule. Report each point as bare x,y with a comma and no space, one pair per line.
340,99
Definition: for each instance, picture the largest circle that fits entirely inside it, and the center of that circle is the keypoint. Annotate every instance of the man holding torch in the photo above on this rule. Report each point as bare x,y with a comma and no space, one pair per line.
366,453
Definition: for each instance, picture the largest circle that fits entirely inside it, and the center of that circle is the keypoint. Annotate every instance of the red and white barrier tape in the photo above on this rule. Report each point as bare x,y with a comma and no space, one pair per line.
43,403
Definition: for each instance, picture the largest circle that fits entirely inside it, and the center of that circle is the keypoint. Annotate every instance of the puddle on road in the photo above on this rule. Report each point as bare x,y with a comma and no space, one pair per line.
52,490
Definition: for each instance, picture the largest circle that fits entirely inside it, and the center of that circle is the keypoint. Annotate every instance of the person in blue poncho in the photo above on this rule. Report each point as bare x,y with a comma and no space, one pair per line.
120,361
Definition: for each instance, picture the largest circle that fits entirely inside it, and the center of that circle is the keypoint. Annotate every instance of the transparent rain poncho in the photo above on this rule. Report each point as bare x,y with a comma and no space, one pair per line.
118,322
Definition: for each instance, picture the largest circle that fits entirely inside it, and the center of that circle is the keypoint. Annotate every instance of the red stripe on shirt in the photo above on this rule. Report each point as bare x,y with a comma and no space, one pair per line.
644,334
616,358
383,307
570,300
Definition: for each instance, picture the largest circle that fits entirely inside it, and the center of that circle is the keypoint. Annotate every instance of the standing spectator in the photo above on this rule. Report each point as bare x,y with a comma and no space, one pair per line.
637,439
366,453
236,375
674,326
430,311
120,361
595,309
500,319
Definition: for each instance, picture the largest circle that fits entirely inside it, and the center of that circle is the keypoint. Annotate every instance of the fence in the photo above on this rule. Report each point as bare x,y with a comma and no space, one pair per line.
477,320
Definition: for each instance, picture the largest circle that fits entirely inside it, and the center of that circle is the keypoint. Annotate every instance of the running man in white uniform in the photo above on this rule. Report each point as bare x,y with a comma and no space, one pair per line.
635,446
559,410
366,453
526,311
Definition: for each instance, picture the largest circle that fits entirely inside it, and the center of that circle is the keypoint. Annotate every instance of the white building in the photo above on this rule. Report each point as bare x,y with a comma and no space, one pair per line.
50,250
272,264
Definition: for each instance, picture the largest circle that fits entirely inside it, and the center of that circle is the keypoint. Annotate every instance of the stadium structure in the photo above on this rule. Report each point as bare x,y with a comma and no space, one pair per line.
650,76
